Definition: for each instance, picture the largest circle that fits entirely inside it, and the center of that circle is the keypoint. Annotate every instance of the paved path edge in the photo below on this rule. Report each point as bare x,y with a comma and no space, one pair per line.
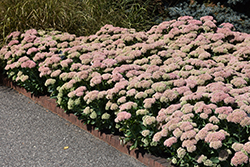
113,140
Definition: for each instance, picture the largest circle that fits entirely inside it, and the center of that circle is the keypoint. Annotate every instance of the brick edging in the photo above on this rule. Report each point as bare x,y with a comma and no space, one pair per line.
113,140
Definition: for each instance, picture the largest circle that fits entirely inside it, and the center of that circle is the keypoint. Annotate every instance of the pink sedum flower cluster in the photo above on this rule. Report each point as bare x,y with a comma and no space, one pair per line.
185,81
121,116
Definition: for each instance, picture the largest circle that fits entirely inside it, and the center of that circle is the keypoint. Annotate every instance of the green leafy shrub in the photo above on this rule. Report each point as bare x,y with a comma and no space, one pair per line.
181,88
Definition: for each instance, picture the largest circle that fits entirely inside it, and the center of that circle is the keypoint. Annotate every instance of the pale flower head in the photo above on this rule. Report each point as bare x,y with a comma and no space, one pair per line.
121,116
246,147
239,158
55,73
157,137
237,146
215,136
148,102
142,112
50,82
208,162
215,144
236,116
201,158
181,152
145,133
93,115
24,78
105,116
214,119
128,106
148,120
177,133
245,121
170,141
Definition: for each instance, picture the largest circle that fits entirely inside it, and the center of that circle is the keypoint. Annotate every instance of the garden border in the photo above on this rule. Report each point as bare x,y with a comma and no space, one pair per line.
113,140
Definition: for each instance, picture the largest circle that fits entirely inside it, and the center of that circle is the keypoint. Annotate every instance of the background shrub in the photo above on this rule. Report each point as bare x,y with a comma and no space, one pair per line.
232,11
79,17
20,15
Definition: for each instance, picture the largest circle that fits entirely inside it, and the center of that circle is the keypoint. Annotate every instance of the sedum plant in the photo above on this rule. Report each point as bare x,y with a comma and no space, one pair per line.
180,89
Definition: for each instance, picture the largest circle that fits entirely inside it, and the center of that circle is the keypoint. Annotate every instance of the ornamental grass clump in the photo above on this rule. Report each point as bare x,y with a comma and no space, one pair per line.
180,89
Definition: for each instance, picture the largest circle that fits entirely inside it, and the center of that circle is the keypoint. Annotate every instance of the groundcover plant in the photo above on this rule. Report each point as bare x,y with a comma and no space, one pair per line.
181,88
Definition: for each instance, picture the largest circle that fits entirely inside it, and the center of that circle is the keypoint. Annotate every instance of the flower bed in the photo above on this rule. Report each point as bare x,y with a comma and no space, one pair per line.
180,89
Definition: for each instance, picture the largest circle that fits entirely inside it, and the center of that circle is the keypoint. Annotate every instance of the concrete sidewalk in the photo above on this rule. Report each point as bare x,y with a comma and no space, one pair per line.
30,135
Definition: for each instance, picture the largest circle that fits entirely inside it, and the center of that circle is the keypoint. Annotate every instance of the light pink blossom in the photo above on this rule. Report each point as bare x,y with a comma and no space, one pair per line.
172,108
187,117
188,135
131,92
239,158
44,71
13,42
189,143
246,147
121,100
237,146
31,50
157,137
238,82
236,116
23,59
82,74
227,25
140,95
148,102
215,136
114,107
80,91
121,116
215,144
91,96
177,113
170,141
203,115
128,105
148,120
28,64
214,119
201,135
172,123
201,158
245,121
66,62
95,81
186,126
223,110
55,73
145,133
13,34
177,132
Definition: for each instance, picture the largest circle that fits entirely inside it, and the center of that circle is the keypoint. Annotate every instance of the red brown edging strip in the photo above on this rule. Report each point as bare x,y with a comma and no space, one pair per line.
113,140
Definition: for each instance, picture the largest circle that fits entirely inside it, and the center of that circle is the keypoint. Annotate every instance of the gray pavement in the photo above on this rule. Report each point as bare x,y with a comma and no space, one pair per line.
30,135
